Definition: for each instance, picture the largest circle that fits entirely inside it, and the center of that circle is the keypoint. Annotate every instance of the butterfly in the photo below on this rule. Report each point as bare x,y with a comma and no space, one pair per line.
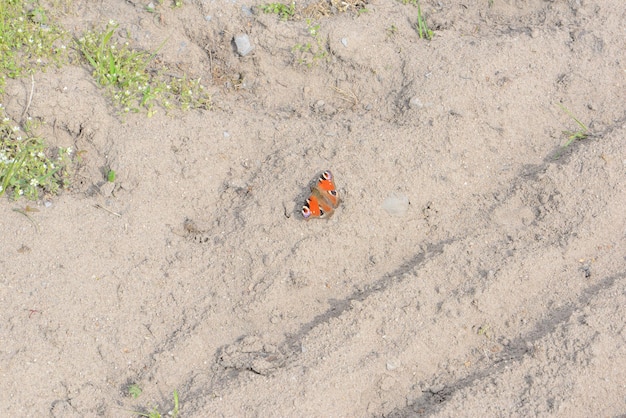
323,199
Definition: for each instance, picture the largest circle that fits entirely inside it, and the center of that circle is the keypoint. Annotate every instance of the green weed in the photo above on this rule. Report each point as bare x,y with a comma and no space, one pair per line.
285,11
28,40
27,167
174,4
188,93
119,68
111,176
421,26
133,390
133,86
156,414
582,133
310,53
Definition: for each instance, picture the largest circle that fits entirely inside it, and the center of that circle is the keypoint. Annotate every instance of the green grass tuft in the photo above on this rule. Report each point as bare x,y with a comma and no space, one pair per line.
285,11
26,167
311,53
580,134
131,82
28,40
421,26
156,414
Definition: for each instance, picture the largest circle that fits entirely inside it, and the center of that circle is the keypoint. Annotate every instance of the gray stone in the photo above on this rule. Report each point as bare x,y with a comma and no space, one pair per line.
244,47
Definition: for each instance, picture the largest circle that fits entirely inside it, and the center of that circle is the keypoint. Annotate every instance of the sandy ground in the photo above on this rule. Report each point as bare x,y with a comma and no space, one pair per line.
499,290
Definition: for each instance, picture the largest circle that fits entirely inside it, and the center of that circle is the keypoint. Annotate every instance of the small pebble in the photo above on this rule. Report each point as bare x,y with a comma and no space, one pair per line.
396,205
243,44
392,365
415,103
107,189
344,41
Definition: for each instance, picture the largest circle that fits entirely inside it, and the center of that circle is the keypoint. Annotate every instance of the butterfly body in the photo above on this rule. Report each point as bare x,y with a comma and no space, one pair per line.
323,200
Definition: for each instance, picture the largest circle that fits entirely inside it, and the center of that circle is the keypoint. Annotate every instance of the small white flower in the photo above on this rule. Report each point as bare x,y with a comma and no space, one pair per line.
19,138
34,182
69,150
20,192
16,128
0,188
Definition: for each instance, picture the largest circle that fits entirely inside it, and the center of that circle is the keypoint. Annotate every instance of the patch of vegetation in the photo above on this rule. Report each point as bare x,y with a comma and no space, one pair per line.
26,166
28,39
174,4
310,53
111,176
156,414
316,9
134,390
285,11
345,5
580,134
422,28
131,82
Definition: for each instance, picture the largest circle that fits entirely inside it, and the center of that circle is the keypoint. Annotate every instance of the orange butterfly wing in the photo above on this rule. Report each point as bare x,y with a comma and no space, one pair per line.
323,200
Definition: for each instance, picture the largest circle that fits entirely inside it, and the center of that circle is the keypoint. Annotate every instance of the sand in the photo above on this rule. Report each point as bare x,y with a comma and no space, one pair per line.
498,290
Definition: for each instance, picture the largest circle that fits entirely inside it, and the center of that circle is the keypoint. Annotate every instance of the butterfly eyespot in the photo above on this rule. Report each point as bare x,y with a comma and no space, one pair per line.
323,199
